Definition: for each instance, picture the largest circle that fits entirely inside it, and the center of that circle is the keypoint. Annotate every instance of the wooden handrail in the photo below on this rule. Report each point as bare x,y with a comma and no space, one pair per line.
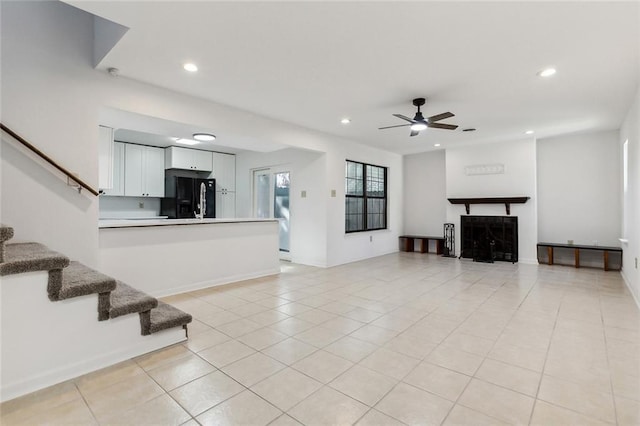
48,159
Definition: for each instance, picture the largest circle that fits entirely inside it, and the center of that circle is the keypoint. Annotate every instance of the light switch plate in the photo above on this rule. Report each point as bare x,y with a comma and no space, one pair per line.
303,194
333,192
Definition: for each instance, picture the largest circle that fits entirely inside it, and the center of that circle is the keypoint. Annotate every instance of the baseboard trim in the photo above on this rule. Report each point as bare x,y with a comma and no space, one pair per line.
31,384
217,282
627,282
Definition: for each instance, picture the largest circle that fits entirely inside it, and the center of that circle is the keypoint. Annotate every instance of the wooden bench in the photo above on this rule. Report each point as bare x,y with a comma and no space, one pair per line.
407,243
606,251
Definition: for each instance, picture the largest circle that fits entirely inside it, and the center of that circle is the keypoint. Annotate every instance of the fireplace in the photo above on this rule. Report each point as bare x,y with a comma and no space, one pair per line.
489,238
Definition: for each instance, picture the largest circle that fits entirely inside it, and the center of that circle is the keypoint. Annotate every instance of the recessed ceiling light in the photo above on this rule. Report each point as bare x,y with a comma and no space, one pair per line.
187,141
528,132
204,137
436,144
345,121
190,67
548,72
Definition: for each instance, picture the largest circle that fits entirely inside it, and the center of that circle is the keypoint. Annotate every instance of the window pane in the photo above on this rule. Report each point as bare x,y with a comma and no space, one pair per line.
376,213
353,179
354,214
375,181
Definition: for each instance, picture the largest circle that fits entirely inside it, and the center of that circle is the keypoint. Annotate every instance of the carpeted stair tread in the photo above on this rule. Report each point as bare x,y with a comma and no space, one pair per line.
28,257
6,233
127,300
80,280
166,316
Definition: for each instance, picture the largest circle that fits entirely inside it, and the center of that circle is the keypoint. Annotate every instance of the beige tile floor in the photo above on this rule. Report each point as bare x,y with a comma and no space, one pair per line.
405,338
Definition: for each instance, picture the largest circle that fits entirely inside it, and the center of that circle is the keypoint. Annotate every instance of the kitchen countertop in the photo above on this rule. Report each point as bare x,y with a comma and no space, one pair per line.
135,223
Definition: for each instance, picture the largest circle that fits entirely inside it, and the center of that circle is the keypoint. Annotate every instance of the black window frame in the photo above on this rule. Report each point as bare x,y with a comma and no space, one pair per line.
364,197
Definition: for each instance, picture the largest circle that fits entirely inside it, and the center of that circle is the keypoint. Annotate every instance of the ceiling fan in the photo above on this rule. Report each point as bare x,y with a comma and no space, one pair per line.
419,123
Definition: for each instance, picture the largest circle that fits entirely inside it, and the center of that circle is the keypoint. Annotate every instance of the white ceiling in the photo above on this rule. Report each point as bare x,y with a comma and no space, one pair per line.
312,63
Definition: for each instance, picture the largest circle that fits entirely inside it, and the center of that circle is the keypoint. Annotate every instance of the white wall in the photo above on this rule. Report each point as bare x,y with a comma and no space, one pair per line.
53,97
518,179
425,197
630,131
344,248
308,237
578,189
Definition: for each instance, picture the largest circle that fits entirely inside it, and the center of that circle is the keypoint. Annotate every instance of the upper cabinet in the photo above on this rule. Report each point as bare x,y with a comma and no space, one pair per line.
144,171
224,171
187,159
105,157
118,171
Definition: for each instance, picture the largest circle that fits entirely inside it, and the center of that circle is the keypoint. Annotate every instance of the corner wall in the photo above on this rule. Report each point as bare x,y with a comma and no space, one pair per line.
425,194
579,189
630,228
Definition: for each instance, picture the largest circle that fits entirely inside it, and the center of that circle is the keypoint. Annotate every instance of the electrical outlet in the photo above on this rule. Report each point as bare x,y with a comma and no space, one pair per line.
141,205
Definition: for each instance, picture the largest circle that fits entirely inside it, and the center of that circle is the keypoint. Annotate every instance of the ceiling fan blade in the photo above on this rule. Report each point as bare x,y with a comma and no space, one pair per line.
404,117
443,126
391,127
440,117
414,133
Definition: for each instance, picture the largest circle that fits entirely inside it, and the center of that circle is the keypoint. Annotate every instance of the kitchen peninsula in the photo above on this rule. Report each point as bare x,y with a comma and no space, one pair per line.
169,256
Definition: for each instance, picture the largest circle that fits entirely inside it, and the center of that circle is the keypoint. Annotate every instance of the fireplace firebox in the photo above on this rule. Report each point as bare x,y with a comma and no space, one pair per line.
489,238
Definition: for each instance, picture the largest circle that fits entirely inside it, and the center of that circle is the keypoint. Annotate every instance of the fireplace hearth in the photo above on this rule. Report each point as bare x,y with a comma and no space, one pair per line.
489,238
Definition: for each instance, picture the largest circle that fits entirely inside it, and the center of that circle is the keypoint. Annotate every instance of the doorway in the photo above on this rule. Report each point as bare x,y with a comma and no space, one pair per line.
271,194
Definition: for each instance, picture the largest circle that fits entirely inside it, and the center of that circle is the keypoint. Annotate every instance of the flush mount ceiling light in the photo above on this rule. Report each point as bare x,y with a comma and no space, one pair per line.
436,144
204,137
190,67
187,141
547,72
345,121
528,132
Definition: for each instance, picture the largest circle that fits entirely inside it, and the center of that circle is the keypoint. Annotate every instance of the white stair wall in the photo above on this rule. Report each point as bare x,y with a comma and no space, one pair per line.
44,342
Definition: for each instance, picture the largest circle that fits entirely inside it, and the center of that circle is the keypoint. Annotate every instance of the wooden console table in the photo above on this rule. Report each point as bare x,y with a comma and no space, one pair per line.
407,243
606,251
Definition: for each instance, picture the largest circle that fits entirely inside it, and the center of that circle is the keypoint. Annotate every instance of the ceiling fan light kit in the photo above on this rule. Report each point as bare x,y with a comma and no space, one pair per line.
419,123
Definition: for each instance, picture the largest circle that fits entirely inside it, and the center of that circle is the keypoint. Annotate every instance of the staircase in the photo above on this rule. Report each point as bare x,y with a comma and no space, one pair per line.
91,325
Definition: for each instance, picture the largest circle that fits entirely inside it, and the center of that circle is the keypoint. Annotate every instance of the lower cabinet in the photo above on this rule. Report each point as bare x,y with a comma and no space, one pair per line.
225,204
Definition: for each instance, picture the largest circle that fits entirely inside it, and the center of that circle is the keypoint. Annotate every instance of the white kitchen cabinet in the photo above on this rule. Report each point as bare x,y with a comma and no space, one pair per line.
117,189
144,171
187,159
224,171
105,157
225,205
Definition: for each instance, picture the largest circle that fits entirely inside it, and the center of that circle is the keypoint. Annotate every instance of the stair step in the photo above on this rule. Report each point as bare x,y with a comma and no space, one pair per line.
166,316
127,300
78,280
29,257
6,233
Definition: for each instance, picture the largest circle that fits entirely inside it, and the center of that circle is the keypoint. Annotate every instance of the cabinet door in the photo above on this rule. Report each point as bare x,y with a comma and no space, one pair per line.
154,172
225,205
105,157
118,171
202,160
179,158
224,171
134,170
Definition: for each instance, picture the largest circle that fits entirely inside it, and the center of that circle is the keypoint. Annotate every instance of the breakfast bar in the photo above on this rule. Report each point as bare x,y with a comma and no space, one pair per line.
168,256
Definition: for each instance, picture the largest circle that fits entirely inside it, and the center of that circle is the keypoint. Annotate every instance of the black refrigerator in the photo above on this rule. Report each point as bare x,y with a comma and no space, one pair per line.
182,197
